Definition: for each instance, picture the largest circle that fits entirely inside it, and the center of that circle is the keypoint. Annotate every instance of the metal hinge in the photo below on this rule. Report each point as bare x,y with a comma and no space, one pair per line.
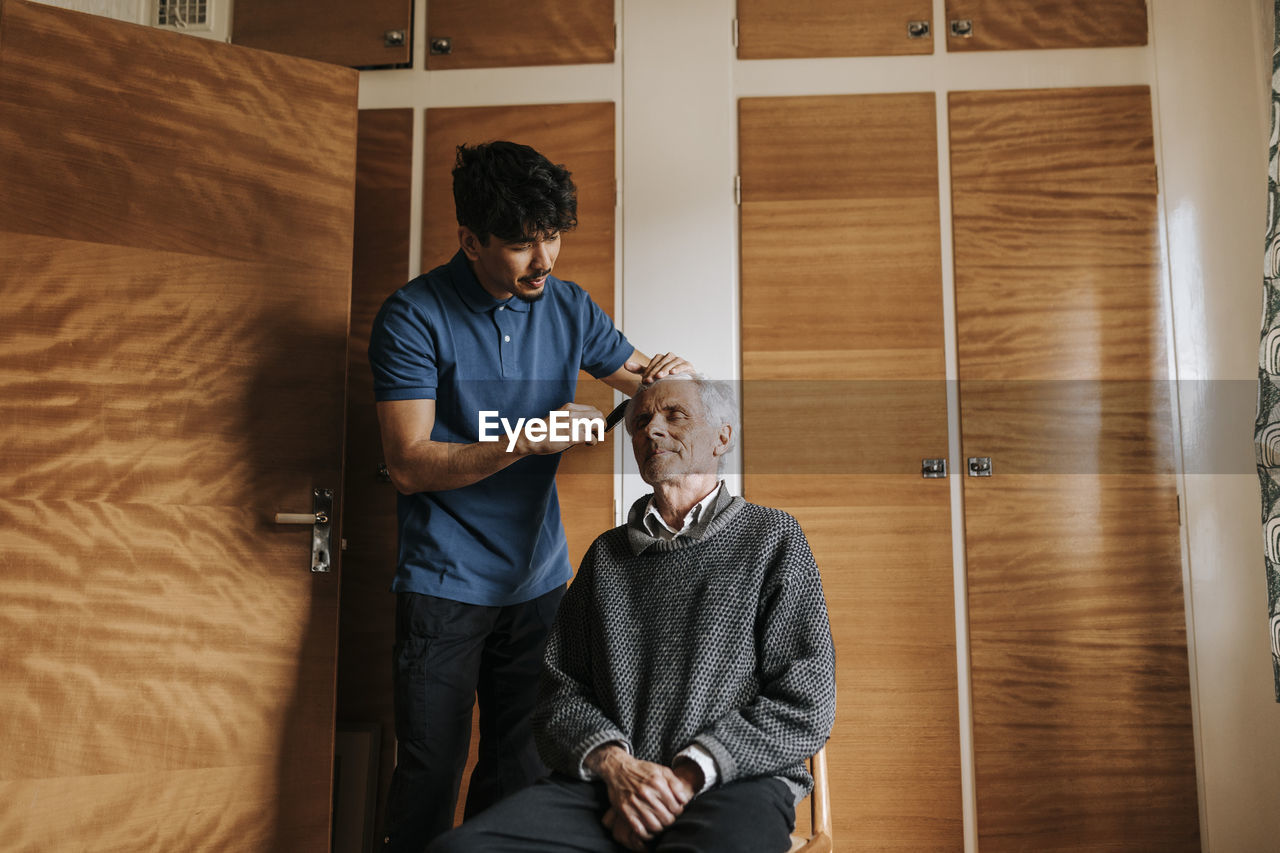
735,32
737,190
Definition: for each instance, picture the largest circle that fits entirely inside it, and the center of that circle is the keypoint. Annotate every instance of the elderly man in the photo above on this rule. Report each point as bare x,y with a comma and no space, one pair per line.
689,672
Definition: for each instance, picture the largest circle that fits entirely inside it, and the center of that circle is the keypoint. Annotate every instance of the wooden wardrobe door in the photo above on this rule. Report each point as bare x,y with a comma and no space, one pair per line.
581,136
843,396
1030,24
176,279
498,33
384,187
790,29
337,31
1081,699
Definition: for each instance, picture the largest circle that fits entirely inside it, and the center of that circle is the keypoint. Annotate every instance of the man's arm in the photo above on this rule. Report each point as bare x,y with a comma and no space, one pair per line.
794,710
419,464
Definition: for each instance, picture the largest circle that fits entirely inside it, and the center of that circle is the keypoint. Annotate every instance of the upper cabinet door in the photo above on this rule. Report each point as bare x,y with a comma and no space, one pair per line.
797,29
372,33
1031,24
496,33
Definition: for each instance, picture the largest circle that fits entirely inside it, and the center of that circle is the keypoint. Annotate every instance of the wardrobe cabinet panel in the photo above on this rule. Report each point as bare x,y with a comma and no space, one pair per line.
366,629
495,33
581,136
778,29
1029,24
360,35
1081,697
843,396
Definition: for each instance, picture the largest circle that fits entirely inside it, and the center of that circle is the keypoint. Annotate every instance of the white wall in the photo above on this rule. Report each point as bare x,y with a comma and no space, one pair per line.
1212,64
677,82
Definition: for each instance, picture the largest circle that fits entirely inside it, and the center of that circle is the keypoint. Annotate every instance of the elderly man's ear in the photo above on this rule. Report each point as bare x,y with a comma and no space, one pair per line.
725,435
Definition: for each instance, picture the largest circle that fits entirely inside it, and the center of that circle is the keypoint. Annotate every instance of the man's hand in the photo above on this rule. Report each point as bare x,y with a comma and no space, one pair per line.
689,771
645,797
660,366
577,412
622,832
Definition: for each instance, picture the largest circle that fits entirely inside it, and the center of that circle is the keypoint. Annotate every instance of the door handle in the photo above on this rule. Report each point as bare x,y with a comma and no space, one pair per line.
319,519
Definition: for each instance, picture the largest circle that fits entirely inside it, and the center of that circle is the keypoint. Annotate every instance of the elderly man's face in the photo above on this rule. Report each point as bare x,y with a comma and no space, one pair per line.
671,434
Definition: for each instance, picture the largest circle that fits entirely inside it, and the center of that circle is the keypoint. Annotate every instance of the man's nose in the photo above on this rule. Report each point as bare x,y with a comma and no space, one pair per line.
542,255
657,426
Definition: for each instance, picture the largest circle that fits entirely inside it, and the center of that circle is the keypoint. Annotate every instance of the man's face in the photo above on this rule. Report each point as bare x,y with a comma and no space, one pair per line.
517,268
671,434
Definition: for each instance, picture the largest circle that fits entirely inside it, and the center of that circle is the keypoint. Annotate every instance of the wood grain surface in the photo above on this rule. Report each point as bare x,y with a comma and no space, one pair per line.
580,136
494,33
1081,697
1032,24
797,29
175,284
384,185
843,396
336,31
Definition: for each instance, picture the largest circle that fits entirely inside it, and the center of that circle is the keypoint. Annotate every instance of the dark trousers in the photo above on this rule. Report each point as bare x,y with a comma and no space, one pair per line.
560,813
448,654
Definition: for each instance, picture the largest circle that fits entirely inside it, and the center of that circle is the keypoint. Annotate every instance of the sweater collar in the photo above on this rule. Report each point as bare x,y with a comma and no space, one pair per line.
639,539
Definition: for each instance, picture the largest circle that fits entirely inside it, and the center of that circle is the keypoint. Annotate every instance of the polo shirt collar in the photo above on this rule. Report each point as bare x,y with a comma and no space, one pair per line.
475,296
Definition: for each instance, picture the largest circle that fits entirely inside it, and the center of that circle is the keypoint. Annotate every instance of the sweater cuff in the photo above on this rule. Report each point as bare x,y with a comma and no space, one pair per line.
725,765
593,742
706,763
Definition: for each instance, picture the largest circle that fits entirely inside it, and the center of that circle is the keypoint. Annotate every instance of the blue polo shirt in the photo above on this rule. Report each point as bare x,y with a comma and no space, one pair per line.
442,337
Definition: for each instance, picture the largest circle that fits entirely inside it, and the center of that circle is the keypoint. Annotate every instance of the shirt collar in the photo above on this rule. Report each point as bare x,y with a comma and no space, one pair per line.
659,529
475,296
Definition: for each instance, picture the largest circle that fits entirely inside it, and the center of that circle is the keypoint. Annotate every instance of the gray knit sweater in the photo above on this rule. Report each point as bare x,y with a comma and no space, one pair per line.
719,637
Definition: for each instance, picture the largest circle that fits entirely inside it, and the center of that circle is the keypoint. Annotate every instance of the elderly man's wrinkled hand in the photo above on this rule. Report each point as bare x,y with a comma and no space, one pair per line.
646,797
622,832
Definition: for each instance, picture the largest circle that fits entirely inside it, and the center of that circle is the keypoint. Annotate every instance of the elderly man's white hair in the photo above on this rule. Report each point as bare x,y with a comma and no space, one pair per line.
718,399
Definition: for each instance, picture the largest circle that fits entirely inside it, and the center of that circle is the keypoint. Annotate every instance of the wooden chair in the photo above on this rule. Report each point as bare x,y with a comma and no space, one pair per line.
819,840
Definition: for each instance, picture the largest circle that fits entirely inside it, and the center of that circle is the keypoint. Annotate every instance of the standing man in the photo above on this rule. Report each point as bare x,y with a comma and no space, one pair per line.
483,560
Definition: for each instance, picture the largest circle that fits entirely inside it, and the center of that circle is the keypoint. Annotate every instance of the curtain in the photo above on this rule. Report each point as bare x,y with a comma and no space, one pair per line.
1267,428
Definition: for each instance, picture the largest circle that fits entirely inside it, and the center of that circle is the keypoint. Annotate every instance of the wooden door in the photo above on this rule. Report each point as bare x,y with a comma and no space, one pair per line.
797,29
360,35
499,33
1038,24
176,235
1082,707
844,395
581,136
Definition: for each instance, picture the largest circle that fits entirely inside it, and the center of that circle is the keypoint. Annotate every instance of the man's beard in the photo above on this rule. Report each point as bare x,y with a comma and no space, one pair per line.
532,297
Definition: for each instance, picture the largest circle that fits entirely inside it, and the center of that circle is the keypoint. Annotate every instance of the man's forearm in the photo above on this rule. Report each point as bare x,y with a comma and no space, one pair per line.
434,466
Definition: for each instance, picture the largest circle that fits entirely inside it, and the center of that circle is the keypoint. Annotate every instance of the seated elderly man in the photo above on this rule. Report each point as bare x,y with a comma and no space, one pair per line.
690,671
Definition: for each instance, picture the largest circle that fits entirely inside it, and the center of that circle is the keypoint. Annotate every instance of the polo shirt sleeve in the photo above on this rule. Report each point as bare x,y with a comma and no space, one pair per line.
402,352
604,348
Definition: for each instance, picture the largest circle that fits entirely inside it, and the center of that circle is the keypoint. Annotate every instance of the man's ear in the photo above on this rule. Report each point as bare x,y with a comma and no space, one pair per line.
469,242
723,438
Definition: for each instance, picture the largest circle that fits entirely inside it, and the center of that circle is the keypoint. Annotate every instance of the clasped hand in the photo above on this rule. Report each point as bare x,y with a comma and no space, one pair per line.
645,798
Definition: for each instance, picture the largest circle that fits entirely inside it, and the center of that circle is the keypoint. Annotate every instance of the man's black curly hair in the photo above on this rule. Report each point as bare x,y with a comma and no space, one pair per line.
512,192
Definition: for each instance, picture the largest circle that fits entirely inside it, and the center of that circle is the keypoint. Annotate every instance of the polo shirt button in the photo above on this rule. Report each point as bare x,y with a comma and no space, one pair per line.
507,338
502,307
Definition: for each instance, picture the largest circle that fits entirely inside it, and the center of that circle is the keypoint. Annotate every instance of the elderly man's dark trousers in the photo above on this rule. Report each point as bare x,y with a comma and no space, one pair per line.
448,654
563,814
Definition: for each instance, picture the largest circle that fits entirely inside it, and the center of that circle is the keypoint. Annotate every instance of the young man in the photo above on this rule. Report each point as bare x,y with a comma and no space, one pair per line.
482,556
690,671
